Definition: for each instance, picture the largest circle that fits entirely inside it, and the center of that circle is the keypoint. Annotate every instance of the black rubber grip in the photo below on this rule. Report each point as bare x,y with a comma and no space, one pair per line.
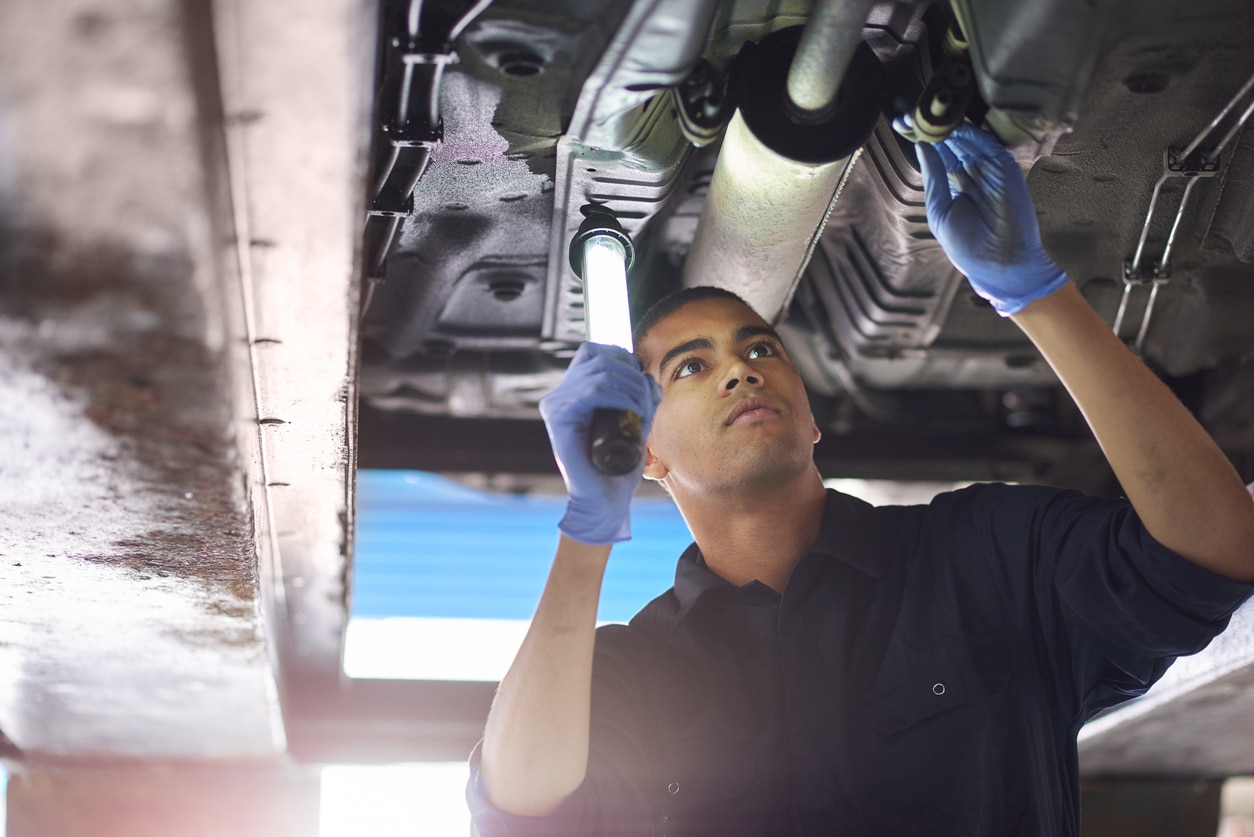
614,443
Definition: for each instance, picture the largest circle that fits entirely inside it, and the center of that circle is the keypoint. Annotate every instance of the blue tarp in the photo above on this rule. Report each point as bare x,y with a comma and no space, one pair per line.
427,546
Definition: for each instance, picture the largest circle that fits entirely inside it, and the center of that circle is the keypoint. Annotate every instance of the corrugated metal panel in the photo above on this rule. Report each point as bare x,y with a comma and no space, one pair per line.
427,546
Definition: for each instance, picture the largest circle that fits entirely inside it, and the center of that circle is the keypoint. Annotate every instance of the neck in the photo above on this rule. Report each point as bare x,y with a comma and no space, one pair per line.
757,535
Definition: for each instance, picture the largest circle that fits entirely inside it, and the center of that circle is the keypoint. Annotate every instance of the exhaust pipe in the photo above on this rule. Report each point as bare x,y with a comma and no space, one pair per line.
783,162
831,36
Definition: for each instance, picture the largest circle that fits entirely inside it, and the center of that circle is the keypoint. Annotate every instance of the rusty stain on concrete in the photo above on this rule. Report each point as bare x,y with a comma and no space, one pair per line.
127,563
93,328
130,619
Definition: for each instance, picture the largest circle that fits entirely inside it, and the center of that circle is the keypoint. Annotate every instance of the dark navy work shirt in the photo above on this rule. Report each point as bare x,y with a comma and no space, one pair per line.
925,672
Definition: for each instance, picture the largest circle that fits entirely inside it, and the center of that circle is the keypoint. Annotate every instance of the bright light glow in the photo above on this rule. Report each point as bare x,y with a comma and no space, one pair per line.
397,800
420,648
414,648
605,292
892,492
446,577
1237,807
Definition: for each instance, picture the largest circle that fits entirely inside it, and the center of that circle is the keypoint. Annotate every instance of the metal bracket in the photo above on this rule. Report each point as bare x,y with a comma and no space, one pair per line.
412,135
1130,281
943,104
1199,162
702,104
381,208
408,112
1194,163
414,53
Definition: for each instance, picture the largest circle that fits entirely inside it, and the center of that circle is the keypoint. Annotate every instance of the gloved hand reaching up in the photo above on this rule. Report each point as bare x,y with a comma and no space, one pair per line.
599,376
980,211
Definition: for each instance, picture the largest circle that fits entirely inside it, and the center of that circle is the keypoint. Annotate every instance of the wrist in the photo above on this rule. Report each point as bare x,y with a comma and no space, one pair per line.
595,525
1045,281
1062,306
1042,300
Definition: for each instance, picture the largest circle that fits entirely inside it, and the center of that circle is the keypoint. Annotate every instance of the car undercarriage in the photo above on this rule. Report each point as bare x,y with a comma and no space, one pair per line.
498,125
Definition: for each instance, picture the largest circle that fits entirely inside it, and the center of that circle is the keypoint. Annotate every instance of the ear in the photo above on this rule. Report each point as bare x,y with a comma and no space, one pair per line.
817,434
653,467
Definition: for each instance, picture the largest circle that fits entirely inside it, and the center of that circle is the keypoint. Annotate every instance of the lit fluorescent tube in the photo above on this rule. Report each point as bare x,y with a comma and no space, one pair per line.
605,291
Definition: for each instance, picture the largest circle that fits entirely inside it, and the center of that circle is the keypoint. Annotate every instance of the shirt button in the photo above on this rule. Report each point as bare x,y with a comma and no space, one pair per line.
673,788
938,689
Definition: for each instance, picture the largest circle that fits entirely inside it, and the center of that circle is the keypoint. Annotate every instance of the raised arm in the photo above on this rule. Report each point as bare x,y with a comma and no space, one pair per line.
535,745
1182,486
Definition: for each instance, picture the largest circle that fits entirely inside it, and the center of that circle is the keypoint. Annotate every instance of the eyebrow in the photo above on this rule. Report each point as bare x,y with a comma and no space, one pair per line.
739,336
683,349
745,332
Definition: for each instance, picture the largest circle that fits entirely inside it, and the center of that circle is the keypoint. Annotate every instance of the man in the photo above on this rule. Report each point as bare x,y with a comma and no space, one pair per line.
825,667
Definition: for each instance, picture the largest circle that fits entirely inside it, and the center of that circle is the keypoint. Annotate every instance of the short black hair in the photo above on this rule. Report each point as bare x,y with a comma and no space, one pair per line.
673,301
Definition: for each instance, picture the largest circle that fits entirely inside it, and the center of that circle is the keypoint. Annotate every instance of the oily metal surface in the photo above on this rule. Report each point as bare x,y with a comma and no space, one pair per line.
128,576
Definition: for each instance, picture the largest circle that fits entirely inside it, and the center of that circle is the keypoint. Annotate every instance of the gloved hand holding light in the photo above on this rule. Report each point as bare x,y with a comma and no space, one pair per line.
601,254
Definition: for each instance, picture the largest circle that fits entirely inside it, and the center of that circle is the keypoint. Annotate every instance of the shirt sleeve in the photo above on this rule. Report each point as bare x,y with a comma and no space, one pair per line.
613,798
1105,607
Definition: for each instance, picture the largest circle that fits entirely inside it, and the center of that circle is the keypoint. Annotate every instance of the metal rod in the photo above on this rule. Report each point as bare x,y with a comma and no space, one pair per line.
433,100
1145,318
1175,225
414,18
1149,216
402,106
1191,147
831,36
467,19
1232,132
1123,307
385,171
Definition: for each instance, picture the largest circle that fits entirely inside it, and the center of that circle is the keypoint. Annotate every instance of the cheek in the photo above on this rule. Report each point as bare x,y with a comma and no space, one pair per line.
657,429
670,423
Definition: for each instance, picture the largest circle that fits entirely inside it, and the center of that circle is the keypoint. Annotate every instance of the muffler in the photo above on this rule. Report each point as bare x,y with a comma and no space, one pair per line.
781,167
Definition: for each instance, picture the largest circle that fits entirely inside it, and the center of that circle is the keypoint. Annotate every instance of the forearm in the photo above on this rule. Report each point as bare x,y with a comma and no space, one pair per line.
535,746
1182,486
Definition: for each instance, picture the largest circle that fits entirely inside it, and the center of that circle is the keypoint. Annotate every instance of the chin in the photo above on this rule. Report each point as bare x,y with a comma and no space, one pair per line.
770,463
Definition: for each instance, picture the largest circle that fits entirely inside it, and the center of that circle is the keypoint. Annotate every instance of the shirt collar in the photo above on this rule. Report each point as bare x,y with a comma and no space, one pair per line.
849,534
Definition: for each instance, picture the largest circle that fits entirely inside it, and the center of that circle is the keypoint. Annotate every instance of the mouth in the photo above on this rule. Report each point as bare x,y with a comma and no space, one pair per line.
749,409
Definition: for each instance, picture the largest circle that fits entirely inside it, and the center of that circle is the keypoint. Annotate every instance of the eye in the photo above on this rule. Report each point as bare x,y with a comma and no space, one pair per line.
690,366
762,350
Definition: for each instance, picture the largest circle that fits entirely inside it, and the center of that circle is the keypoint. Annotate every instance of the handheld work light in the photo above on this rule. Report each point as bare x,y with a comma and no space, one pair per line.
601,254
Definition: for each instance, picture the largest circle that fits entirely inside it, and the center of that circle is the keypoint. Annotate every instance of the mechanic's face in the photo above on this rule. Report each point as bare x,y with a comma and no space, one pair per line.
734,413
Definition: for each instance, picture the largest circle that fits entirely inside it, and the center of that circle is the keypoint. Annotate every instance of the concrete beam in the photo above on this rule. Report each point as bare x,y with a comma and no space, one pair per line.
296,81
1193,722
130,605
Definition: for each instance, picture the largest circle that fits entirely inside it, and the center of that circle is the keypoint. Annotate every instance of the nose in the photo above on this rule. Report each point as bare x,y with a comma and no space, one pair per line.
740,373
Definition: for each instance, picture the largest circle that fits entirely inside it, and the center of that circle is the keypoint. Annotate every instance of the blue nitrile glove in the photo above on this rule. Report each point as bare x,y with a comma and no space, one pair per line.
599,376
980,211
